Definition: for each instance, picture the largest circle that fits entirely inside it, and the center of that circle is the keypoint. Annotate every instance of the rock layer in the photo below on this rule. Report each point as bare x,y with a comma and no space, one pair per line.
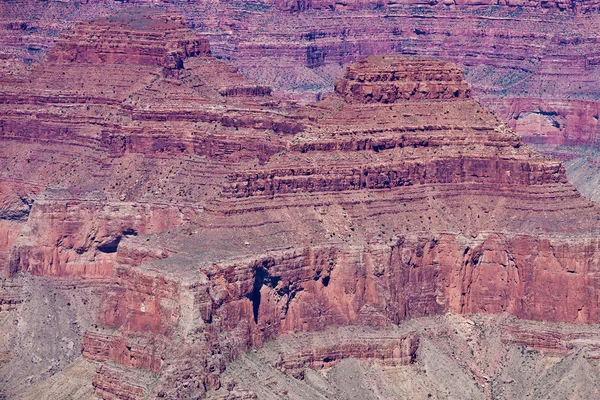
481,357
515,49
211,217
390,79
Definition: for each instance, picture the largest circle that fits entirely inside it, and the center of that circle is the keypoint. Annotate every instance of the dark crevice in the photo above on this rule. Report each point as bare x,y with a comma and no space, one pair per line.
130,232
110,246
548,113
291,296
261,277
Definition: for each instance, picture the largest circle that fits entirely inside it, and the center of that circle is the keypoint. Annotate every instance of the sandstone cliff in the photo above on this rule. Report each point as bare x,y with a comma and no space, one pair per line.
183,215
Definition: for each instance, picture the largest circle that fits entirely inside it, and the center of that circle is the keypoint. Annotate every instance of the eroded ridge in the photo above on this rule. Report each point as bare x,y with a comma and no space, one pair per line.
184,215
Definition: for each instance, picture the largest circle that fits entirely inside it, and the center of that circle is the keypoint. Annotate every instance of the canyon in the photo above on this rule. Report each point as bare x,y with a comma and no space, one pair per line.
173,229
534,64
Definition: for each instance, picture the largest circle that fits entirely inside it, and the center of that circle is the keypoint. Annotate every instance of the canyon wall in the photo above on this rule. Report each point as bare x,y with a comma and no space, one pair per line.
199,216
517,57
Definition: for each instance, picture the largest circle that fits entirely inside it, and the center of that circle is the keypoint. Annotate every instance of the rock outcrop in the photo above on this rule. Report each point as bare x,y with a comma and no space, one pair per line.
129,38
509,49
210,218
389,79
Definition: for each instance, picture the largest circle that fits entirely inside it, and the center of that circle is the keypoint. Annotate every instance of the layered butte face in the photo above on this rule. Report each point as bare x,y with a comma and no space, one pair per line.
533,63
391,79
161,215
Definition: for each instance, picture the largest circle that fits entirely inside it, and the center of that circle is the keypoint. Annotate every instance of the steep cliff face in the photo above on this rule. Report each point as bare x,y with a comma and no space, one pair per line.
92,157
199,217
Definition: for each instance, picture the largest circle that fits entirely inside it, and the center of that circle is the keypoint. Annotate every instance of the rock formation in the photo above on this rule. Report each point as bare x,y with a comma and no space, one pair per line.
518,58
381,80
481,357
182,215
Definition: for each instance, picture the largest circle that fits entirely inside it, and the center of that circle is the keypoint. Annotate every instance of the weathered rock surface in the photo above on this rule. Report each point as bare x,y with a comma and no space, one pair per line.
204,217
532,62
390,79
481,357
508,49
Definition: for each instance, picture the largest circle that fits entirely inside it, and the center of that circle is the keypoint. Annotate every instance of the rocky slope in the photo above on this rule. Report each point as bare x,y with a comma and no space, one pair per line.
533,63
162,215
481,357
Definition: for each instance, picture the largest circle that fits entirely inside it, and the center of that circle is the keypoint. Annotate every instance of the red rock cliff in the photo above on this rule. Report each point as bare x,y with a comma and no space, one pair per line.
212,218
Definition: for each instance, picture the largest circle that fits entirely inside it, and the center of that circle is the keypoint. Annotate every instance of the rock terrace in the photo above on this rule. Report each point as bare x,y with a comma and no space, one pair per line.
183,215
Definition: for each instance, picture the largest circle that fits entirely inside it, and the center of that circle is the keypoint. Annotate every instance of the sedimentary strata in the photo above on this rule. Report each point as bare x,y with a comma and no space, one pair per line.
200,217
